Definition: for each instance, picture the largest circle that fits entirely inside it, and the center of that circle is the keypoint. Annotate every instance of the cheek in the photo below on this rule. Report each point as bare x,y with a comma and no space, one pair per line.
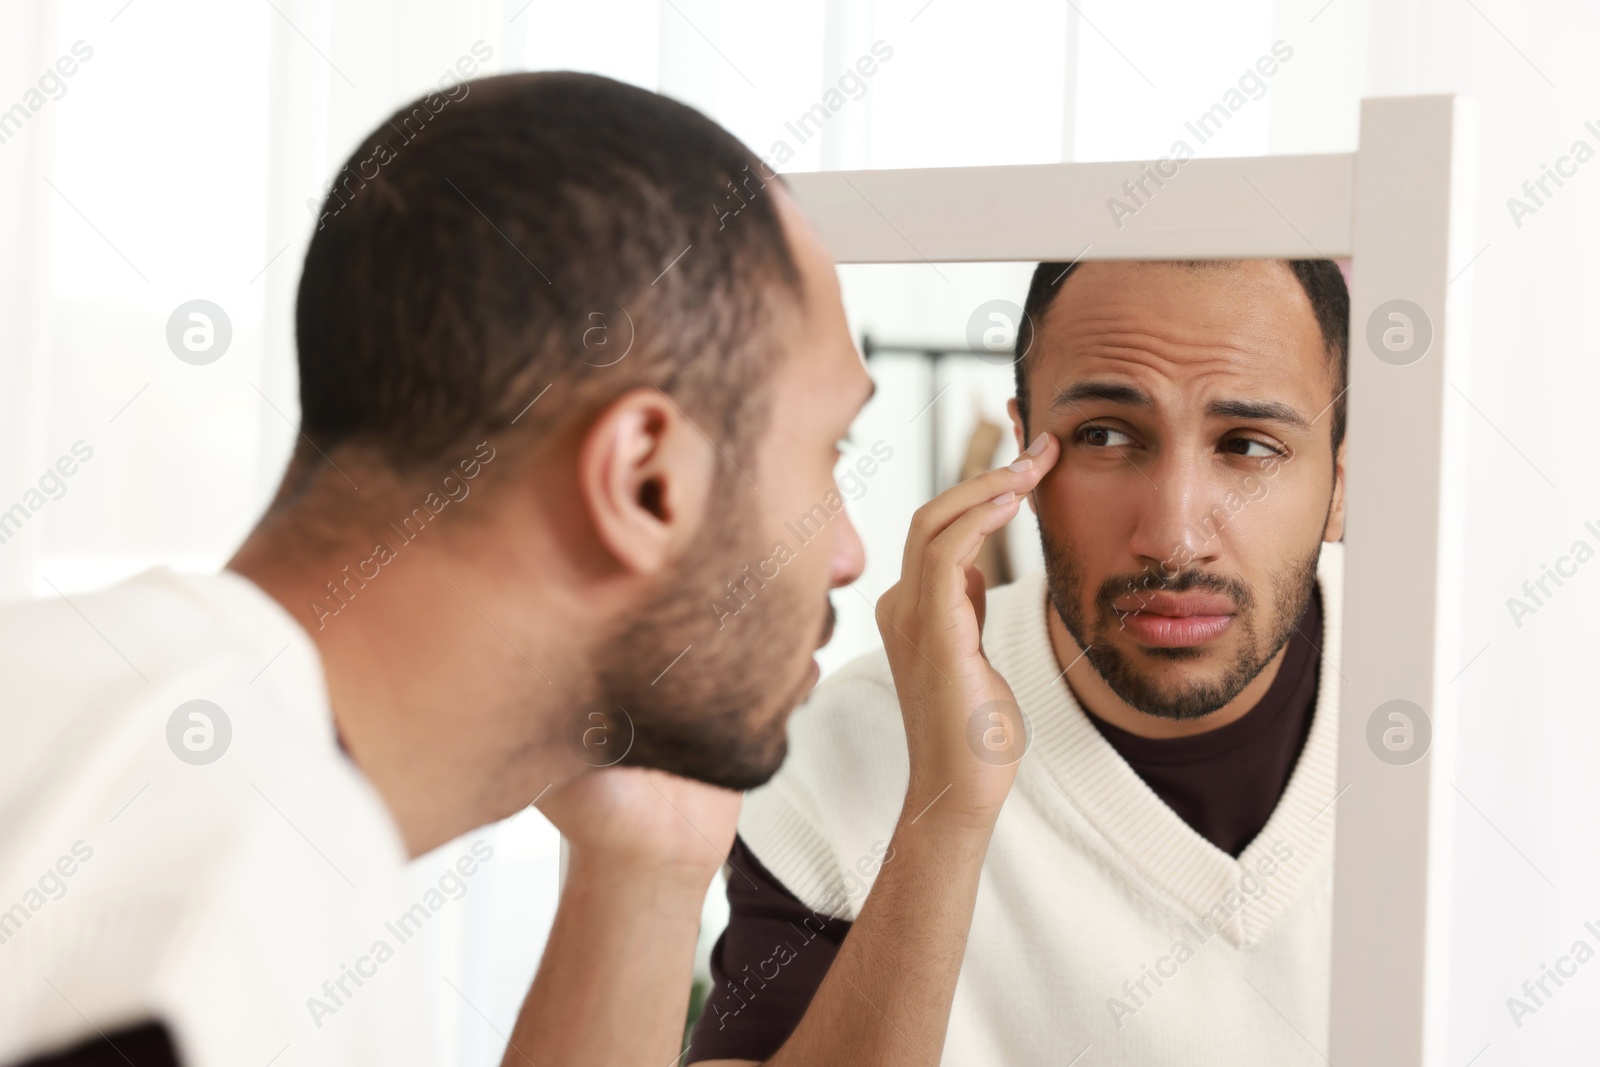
1087,512
1276,510
1264,537
781,504
798,532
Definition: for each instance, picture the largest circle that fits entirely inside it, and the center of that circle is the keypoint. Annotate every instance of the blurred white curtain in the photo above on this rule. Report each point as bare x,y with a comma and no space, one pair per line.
27,46
178,161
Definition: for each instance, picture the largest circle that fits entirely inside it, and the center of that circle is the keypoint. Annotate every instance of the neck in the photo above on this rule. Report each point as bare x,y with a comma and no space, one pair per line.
434,678
1092,692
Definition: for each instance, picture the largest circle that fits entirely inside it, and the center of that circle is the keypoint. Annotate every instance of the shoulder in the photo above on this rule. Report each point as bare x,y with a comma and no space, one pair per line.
160,672
83,666
174,779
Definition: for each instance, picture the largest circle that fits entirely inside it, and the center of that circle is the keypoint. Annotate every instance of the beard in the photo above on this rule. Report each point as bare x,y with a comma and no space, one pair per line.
1263,629
715,714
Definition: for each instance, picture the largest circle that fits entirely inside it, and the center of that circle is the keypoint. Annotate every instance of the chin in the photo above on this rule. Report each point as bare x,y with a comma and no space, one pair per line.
765,753
754,769
762,750
747,764
773,764
1175,655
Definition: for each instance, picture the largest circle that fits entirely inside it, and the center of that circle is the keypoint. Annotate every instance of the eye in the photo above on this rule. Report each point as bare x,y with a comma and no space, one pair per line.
1102,437
1267,451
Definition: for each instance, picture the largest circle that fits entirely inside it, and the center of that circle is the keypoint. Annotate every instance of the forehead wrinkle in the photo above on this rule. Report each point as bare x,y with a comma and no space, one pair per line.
1206,361
1228,331
1119,351
1165,380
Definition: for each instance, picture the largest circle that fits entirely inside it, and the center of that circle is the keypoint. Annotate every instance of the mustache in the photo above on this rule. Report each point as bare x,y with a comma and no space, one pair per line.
1146,584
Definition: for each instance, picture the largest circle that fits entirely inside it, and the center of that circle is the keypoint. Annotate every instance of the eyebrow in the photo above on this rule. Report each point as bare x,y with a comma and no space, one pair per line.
1112,392
1259,411
1088,389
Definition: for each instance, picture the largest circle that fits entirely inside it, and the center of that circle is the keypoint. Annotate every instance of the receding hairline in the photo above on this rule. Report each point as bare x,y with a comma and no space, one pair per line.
1328,345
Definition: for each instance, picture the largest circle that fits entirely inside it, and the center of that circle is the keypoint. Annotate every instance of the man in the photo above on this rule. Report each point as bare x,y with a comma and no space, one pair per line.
1156,889
540,359
543,325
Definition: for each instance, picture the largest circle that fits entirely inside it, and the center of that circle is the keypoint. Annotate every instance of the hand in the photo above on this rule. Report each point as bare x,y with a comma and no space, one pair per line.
963,729
645,822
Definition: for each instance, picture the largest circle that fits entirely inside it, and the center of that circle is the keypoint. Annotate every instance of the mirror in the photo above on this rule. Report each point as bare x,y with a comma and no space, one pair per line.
1167,612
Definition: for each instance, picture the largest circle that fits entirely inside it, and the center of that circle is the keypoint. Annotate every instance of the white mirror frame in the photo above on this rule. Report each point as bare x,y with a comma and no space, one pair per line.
1400,208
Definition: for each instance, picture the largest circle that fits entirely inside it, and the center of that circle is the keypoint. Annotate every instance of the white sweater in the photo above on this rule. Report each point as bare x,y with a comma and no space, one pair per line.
1106,930
231,876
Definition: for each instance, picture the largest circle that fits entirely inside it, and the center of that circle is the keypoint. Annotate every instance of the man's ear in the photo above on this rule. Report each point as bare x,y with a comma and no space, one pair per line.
1334,531
1022,441
644,475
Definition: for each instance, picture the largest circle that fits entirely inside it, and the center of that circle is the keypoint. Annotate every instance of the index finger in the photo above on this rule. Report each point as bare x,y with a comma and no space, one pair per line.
937,514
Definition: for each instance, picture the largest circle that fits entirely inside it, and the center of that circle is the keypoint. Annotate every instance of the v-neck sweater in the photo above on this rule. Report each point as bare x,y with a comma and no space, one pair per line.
1226,782
1103,920
1223,783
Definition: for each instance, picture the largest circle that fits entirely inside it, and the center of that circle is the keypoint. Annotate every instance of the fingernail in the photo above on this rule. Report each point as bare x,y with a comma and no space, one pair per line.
1022,464
1003,499
1037,448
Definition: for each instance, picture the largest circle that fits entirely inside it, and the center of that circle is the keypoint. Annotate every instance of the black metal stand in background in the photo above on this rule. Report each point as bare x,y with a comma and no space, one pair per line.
935,355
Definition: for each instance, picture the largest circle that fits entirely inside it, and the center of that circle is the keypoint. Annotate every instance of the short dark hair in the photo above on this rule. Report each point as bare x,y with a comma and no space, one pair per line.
1321,279
475,241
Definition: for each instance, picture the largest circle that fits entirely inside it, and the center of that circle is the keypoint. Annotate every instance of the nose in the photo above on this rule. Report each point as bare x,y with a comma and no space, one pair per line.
1179,518
849,555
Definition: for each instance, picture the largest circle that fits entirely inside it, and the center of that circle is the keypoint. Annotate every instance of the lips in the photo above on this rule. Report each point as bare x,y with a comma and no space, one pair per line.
1175,620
